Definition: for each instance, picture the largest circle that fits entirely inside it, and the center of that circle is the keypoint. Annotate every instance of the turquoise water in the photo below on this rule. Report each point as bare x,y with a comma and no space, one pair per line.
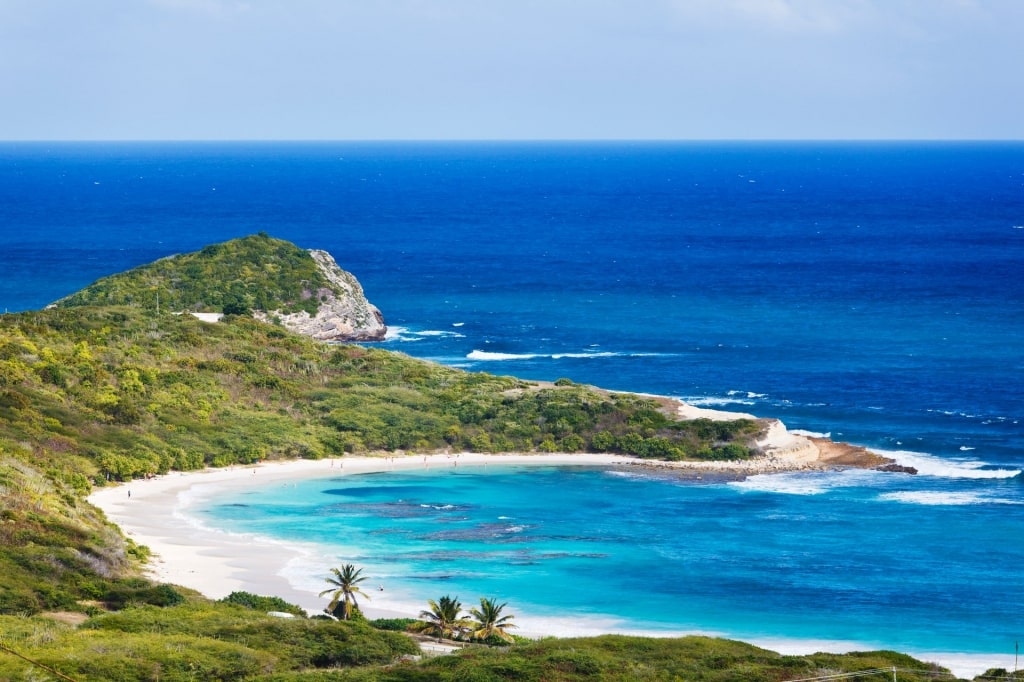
882,560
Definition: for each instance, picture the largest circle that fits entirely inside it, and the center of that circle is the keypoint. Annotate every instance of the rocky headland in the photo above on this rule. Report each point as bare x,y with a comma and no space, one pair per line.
344,313
270,279
779,450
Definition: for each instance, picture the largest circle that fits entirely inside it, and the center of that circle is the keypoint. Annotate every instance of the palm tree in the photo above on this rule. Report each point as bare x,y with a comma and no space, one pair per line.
443,619
489,621
346,587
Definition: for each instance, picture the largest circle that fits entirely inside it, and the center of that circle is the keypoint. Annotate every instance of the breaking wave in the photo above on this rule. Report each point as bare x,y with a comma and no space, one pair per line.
490,356
938,498
930,465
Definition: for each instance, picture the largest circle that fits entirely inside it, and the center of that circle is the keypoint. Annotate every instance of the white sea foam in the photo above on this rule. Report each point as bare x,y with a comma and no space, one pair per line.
629,475
604,354
498,357
440,332
940,498
407,335
810,434
397,334
986,419
808,482
491,356
940,467
784,484
711,400
748,394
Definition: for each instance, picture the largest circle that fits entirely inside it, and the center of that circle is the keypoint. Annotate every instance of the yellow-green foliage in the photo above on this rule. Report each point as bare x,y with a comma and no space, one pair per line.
252,273
196,640
614,658
55,550
119,393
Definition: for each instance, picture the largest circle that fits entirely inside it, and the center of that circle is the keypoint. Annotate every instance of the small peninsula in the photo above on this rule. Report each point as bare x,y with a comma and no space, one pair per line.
269,279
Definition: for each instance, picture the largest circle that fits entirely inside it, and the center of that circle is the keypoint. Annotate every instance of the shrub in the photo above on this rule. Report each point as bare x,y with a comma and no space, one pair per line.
393,624
138,592
264,604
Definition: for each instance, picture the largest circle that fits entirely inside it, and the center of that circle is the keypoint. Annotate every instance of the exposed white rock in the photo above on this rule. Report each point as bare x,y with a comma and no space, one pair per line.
780,442
344,313
782,450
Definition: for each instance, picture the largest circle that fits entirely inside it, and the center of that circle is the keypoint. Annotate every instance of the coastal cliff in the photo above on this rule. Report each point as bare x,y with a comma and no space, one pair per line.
344,314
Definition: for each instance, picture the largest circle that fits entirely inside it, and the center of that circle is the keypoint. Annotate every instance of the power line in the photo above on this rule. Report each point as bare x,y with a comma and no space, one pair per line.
4,647
845,676
930,674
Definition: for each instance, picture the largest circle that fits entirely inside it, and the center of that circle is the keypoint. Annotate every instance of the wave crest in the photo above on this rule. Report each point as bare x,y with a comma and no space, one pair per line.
938,498
940,467
491,356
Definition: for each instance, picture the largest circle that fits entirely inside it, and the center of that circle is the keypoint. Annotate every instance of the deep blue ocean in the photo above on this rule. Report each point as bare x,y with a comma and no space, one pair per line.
871,291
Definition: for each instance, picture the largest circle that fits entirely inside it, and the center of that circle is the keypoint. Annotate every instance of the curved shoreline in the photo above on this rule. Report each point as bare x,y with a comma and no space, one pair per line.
216,562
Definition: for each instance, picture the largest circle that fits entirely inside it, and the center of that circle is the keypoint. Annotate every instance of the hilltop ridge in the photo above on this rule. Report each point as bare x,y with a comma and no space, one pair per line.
271,279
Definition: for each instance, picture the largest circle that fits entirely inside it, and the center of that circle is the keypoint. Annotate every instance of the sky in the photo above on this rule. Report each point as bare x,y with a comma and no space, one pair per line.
511,69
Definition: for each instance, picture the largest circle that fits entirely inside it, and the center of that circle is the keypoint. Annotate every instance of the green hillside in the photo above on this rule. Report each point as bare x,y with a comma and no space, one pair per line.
238,276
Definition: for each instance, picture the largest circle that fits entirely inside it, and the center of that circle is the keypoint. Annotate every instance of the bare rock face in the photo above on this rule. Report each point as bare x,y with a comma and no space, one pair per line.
344,313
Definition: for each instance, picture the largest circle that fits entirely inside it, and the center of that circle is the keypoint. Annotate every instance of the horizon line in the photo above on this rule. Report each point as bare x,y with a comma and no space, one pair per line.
483,140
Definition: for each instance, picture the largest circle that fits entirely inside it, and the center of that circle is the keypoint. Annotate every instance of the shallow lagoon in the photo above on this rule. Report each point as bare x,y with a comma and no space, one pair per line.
922,564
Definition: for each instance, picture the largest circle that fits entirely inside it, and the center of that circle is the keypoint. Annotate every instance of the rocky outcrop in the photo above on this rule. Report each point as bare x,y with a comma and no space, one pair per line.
344,313
782,450
897,469
779,444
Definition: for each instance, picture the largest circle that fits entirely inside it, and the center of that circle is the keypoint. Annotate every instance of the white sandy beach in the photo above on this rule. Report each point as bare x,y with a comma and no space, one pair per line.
215,563
154,513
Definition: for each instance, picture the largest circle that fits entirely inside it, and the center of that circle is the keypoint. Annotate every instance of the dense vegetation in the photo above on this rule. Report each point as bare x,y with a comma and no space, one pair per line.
615,657
114,393
208,641
195,640
235,277
94,393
